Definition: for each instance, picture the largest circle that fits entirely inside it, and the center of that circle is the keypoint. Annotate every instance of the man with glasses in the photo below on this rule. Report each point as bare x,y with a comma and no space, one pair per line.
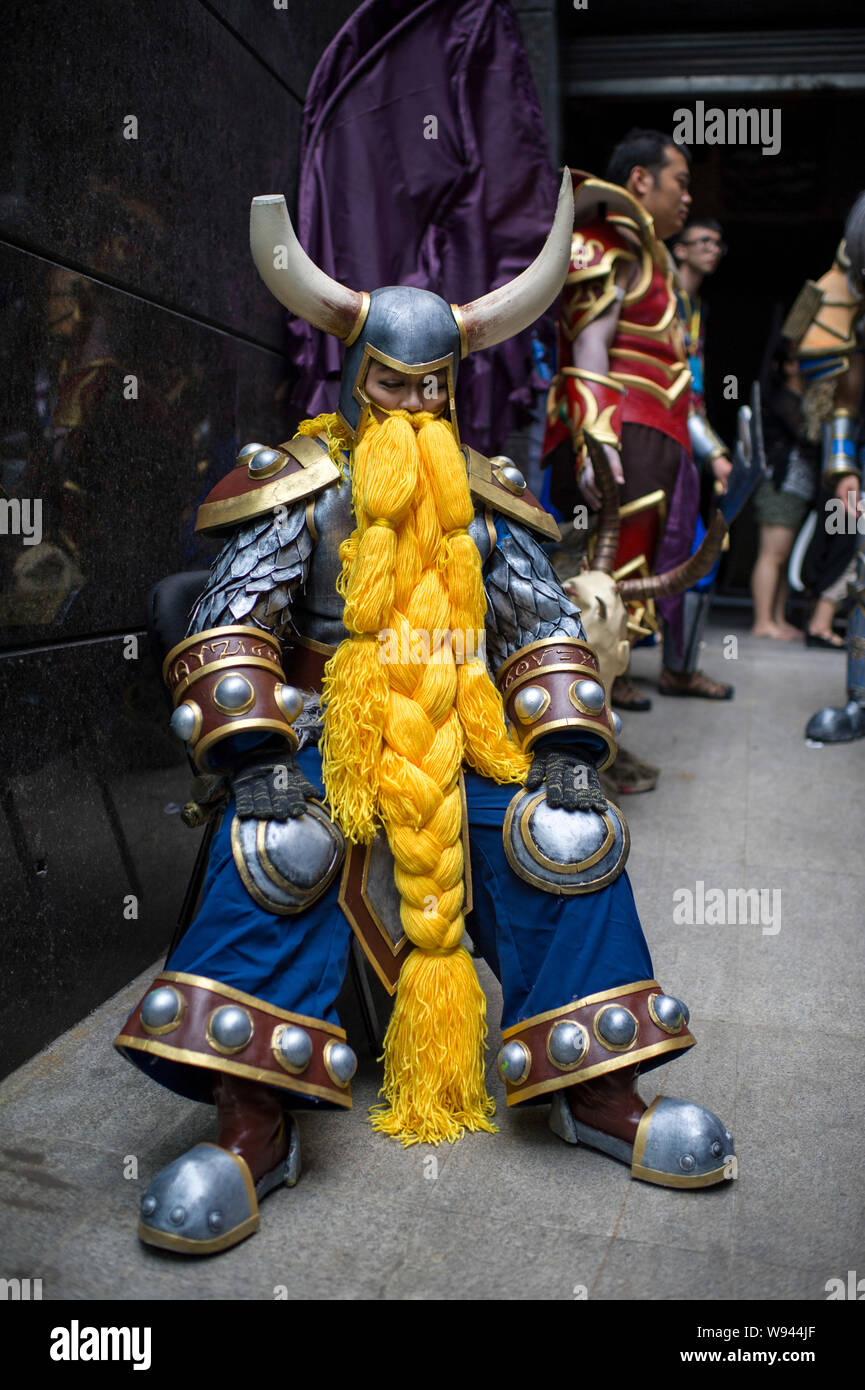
697,251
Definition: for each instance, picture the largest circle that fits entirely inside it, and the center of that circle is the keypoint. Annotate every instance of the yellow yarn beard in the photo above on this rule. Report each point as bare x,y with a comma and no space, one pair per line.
396,732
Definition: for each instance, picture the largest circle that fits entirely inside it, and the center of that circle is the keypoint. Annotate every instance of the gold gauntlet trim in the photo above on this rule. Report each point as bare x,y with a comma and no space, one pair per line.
537,685
598,409
203,661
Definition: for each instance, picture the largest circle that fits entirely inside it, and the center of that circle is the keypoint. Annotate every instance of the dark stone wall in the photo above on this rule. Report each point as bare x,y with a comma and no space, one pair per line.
138,350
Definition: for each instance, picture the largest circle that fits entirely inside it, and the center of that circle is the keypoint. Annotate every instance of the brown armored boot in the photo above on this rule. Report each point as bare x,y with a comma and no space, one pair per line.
208,1200
251,1123
672,1143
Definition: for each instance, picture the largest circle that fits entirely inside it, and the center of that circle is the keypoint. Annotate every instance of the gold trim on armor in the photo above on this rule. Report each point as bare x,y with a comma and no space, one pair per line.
576,866
675,1180
667,397
664,1026
491,530
530,719
481,484
459,319
527,1066
293,639
560,890
311,478
529,737
620,992
275,467
574,1078
166,1240
670,369
357,326
281,1058
223,1064
163,1028
224,662
222,634
578,703
615,1047
328,1049
241,709
372,354
568,1066
654,330
229,992
522,652
220,1047
307,896
639,1170
310,520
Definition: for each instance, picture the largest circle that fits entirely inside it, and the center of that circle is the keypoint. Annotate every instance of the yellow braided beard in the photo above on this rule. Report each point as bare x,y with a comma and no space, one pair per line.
401,715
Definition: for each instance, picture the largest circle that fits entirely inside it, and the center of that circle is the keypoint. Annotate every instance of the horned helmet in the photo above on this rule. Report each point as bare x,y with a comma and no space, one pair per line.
408,329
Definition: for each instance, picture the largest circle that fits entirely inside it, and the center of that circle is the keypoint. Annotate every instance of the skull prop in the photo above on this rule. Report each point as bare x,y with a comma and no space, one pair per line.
603,599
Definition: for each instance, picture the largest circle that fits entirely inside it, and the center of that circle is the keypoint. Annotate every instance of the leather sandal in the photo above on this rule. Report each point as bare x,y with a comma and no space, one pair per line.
626,694
694,685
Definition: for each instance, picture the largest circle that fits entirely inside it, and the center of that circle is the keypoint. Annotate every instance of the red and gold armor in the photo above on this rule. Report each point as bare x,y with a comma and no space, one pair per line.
647,355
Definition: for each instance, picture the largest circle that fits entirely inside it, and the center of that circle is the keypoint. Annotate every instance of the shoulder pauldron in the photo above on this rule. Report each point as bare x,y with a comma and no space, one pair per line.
265,479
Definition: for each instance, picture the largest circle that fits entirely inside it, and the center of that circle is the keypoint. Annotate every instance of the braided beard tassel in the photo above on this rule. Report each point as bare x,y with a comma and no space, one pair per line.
434,1053
411,566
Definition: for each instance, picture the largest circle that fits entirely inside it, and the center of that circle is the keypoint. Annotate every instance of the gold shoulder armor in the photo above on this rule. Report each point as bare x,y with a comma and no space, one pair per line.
263,479
499,484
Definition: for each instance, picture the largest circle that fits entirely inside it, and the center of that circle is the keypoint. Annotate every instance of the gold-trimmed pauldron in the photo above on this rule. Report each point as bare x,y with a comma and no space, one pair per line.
619,1027
227,681
554,685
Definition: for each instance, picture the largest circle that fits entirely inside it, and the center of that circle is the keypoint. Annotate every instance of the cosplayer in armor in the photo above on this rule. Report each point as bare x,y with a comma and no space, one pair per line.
827,322
623,374
391,704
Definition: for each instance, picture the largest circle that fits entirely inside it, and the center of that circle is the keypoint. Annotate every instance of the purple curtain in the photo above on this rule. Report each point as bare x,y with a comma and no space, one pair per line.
424,161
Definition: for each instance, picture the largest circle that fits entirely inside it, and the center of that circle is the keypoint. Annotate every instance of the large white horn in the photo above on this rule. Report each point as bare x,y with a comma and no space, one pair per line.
294,279
508,310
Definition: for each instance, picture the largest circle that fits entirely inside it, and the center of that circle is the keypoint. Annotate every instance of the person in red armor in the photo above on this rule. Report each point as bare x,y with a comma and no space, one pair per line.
622,372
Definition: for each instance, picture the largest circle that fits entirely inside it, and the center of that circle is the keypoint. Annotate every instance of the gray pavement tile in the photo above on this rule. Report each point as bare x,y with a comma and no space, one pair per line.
527,1173
652,1272
757,1280
453,1255
810,970
799,1197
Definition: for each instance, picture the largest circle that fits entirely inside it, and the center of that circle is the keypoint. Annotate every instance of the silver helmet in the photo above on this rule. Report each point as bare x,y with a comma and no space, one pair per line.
408,329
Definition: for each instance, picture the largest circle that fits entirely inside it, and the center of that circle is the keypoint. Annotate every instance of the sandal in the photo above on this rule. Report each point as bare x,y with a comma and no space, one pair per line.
694,685
626,694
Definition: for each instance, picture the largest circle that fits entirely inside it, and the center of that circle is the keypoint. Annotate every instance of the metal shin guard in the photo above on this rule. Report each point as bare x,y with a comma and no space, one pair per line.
696,609
844,724
206,1200
633,1025
678,1144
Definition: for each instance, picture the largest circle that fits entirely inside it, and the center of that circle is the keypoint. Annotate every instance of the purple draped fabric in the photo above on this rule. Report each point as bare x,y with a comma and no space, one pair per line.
424,161
677,541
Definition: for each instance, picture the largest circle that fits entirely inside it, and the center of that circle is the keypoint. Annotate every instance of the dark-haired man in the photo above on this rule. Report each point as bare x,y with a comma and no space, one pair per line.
622,372
697,251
